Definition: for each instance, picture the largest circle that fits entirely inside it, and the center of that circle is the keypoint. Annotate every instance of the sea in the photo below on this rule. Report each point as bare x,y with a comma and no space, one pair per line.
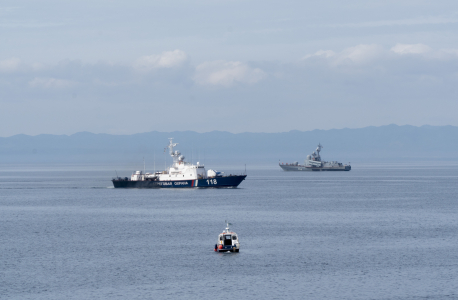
379,231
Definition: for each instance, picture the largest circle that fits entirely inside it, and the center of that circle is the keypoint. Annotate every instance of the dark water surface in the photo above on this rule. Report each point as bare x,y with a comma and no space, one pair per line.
376,232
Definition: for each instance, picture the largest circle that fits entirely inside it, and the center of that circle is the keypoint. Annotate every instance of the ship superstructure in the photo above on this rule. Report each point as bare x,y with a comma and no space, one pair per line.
314,163
180,174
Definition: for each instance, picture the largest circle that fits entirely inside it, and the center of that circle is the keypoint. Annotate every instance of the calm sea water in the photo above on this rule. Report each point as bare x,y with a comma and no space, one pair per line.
376,232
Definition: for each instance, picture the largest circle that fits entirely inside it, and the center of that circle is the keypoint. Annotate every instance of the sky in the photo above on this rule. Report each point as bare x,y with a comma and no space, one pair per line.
124,67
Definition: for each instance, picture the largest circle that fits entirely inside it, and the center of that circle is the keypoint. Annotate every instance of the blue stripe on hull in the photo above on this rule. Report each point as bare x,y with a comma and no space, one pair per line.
218,182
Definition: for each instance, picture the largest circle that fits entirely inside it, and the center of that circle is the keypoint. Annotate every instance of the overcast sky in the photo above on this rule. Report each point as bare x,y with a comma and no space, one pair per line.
125,67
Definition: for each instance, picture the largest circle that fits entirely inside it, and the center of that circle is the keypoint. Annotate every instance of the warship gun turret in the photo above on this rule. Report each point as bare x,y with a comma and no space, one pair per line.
314,163
180,174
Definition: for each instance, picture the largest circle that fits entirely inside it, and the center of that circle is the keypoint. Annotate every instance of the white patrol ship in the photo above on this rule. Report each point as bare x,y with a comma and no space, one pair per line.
228,241
314,163
180,175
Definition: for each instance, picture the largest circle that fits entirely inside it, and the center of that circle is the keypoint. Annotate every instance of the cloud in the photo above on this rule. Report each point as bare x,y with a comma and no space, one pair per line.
167,59
410,48
9,65
226,73
413,64
372,55
367,80
321,53
51,83
358,54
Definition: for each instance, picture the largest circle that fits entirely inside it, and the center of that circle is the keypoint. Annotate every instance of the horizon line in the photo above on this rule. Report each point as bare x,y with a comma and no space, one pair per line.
222,131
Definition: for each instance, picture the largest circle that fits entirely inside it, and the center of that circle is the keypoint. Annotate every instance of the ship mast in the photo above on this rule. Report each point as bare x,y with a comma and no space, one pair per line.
176,155
173,154
318,149
227,226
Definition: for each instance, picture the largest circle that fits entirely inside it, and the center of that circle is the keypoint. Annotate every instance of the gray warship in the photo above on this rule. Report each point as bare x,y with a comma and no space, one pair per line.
314,163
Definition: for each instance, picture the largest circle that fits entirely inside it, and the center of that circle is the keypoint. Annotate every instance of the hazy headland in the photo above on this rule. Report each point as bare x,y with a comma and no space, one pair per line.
391,143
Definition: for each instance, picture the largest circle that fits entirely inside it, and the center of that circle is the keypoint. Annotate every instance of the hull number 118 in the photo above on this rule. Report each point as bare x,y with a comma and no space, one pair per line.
211,181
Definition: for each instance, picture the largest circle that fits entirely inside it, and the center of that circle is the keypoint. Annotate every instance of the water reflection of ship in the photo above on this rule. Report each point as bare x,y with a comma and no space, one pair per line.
314,163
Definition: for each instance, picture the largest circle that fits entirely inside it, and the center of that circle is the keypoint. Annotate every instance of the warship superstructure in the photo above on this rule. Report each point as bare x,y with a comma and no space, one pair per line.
181,174
314,163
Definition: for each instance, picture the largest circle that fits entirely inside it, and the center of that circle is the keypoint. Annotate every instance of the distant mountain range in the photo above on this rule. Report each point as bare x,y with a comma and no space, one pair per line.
391,143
